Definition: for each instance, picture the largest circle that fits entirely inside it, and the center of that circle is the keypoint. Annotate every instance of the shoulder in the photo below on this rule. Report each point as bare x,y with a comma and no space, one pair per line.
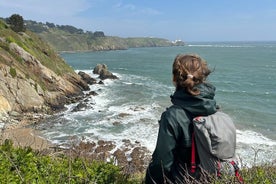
175,114
176,121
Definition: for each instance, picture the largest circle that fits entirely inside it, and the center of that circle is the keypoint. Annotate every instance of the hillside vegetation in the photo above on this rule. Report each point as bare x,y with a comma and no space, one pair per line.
69,38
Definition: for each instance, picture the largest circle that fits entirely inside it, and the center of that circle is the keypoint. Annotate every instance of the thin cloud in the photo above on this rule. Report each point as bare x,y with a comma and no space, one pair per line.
135,10
151,11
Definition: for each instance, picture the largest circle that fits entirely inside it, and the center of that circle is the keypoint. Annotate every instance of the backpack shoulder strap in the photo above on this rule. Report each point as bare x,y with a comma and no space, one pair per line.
193,154
194,151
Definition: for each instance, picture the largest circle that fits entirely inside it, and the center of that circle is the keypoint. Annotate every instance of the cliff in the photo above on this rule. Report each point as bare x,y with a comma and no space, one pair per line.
33,78
69,38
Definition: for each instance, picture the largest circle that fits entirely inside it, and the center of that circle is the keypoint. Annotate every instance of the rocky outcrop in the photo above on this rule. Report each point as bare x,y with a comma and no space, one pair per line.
19,93
27,85
131,156
103,72
87,78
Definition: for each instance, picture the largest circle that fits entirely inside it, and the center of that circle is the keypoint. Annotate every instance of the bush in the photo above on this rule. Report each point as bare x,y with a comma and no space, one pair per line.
10,39
23,165
17,23
13,72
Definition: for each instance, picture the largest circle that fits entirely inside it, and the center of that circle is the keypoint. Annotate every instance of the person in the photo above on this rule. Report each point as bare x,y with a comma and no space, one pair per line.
193,96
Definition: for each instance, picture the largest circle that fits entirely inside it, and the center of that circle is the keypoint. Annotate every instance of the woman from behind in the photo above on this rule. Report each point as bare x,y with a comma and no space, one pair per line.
193,96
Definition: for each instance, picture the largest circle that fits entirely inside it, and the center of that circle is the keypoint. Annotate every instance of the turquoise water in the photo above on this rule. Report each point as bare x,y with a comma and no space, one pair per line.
244,75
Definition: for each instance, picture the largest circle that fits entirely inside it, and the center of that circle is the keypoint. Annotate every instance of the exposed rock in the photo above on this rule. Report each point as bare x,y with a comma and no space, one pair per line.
121,157
140,158
103,72
15,115
80,107
99,67
23,94
92,93
4,105
131,156
87,78
18,93
116,123
122,115
104,146
77,82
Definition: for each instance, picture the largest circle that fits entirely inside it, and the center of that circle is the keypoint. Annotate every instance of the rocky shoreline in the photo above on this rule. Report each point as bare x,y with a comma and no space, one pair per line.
21,129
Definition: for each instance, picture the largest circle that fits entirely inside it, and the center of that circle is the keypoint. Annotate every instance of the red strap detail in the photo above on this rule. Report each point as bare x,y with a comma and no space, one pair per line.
218,169
237,174
197,118
193,154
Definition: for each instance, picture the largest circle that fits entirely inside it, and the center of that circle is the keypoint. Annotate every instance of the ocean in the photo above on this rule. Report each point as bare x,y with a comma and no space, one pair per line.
244,74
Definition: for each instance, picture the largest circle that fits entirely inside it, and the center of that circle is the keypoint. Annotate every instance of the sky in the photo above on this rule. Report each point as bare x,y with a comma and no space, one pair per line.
187,20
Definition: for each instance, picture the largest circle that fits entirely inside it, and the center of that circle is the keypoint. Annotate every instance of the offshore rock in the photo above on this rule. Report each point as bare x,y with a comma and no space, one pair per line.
87,78
99,67
103,72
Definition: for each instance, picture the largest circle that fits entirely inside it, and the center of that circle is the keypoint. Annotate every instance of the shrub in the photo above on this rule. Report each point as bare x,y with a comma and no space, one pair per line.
17,23
10,39
23,165
13,72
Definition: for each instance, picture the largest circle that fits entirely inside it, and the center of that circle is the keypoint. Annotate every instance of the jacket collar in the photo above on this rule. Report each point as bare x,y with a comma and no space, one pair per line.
203,104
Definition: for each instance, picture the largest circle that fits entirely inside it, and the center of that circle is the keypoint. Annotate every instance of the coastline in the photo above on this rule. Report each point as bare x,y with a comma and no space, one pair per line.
132,155
22,134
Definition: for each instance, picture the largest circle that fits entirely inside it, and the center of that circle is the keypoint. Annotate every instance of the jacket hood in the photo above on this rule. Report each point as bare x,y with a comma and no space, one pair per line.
201,105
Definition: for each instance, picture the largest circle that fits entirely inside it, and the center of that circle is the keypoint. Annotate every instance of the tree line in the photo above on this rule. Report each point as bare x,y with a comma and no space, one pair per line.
18,24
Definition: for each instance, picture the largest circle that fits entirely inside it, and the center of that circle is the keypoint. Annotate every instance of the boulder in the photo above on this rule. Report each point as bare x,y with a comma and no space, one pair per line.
99,67
87,78
80,107
103,72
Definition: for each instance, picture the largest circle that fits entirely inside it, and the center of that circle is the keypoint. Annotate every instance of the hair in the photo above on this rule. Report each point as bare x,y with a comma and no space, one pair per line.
188,71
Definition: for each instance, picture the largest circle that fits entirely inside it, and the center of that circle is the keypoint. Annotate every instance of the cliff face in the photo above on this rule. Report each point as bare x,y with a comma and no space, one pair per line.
33,78
69,38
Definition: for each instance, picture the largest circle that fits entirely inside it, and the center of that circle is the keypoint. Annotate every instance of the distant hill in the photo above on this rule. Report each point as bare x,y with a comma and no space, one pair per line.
70,38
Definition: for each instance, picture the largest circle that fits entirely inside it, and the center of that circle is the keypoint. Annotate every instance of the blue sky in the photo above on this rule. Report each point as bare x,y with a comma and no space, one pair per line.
197,20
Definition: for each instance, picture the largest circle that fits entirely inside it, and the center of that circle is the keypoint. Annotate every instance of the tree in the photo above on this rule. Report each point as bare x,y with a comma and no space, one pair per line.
99,34
70,29
17,23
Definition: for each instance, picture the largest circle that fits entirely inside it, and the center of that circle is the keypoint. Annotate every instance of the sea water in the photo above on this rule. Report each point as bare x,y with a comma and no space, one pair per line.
244,74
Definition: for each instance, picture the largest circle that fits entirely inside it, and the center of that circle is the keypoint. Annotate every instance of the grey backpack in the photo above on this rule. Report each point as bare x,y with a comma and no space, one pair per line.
215,140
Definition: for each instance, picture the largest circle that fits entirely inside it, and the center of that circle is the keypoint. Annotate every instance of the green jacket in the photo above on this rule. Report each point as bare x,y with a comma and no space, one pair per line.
173,148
